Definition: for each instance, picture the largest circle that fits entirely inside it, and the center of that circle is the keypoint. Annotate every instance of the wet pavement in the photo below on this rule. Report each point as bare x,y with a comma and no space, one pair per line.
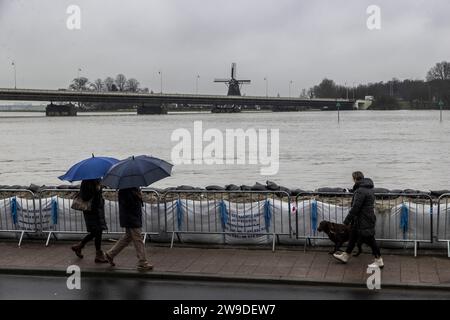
226,265
92,288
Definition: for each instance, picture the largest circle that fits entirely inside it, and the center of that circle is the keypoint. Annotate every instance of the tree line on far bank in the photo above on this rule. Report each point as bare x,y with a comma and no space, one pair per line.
118,84
109,84
393,94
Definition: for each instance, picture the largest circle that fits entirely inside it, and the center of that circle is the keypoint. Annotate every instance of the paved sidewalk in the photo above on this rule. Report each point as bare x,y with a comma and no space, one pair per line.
230,264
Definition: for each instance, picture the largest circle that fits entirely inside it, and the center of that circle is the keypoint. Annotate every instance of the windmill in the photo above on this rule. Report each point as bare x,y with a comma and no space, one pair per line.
233,84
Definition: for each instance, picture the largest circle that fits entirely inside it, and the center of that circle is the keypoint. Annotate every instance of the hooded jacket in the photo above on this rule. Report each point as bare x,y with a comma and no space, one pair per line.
362,214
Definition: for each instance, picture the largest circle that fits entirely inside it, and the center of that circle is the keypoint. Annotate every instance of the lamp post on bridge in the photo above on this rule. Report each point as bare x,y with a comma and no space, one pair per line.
196,84
161,79
267,86
290,84
15,74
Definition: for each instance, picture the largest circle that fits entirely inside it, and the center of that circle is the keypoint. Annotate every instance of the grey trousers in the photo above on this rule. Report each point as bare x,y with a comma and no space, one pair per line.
131,235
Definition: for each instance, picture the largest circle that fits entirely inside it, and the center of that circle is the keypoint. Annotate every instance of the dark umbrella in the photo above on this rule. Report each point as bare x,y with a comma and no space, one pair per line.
91,168
139,171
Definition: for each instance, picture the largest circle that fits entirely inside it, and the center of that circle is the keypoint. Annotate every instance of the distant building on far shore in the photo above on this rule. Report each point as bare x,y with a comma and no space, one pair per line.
22,107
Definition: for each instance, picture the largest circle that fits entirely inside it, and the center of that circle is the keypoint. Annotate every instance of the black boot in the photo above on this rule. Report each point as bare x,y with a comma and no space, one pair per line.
77,249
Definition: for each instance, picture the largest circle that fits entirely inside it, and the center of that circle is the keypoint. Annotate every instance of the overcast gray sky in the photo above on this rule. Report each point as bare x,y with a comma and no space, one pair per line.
302,41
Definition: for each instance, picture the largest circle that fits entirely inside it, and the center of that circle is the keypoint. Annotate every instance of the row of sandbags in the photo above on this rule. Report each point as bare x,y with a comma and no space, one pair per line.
268,186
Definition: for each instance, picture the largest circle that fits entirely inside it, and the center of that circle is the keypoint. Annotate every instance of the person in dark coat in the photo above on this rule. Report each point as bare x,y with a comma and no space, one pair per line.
362,219
91,190
130,217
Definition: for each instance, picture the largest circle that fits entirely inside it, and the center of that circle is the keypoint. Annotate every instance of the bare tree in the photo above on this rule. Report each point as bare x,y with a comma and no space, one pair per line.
121,82
97,85
132,85
108,83
304,94
441,71
79,84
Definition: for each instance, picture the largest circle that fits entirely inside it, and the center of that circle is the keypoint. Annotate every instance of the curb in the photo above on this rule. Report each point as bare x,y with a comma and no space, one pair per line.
134,274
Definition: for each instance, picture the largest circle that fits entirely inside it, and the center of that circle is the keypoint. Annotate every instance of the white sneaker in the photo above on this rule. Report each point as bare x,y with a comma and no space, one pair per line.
378,262
342,257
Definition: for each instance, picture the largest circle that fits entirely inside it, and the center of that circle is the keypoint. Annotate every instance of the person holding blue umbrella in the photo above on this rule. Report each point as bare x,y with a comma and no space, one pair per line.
128,176
89,171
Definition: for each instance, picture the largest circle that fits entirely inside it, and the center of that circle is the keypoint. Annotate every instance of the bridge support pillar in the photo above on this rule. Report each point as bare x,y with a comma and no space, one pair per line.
60,110
156,108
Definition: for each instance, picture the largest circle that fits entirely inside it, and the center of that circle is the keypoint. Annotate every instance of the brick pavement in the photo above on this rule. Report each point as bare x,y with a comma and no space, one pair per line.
234,263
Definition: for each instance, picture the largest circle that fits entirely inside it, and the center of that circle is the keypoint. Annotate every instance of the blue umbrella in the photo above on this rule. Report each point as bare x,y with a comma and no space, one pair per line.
139,171
91,168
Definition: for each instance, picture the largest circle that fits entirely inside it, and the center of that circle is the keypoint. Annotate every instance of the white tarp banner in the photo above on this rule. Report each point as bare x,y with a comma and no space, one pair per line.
20,214
247,223
6,218
312,212
442,226
195,216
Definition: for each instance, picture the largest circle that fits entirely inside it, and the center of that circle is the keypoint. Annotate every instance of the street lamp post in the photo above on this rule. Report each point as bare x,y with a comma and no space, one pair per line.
290,83
196,84
441,104
267,86
15,74
161,79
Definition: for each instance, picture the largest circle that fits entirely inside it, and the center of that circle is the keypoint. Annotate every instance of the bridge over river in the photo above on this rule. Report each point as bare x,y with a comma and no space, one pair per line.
157,103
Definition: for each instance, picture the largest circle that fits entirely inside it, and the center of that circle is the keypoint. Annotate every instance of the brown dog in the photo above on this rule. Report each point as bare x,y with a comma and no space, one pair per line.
338,233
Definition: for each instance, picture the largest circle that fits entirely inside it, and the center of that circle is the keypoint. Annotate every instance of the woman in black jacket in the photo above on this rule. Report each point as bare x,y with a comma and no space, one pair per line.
362,219
94,218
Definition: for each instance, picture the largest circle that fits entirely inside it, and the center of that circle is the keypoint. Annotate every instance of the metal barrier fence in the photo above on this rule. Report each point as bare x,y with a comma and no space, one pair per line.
230,215
235,214
59,217
19,214
443,221
400,217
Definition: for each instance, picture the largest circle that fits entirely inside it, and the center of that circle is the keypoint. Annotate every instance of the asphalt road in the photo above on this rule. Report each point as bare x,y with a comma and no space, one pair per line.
39,287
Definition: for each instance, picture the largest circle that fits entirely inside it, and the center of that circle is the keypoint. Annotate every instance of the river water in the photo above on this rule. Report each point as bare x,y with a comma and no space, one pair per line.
398,149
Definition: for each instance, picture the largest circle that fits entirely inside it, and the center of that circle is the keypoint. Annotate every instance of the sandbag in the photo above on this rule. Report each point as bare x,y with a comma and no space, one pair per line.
258,187
284,189
232,187
270,185
438,193
215,188
185,187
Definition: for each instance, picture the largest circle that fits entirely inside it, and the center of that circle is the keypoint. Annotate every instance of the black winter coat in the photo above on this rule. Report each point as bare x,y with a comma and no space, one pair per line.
95,218
130,208
362,214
